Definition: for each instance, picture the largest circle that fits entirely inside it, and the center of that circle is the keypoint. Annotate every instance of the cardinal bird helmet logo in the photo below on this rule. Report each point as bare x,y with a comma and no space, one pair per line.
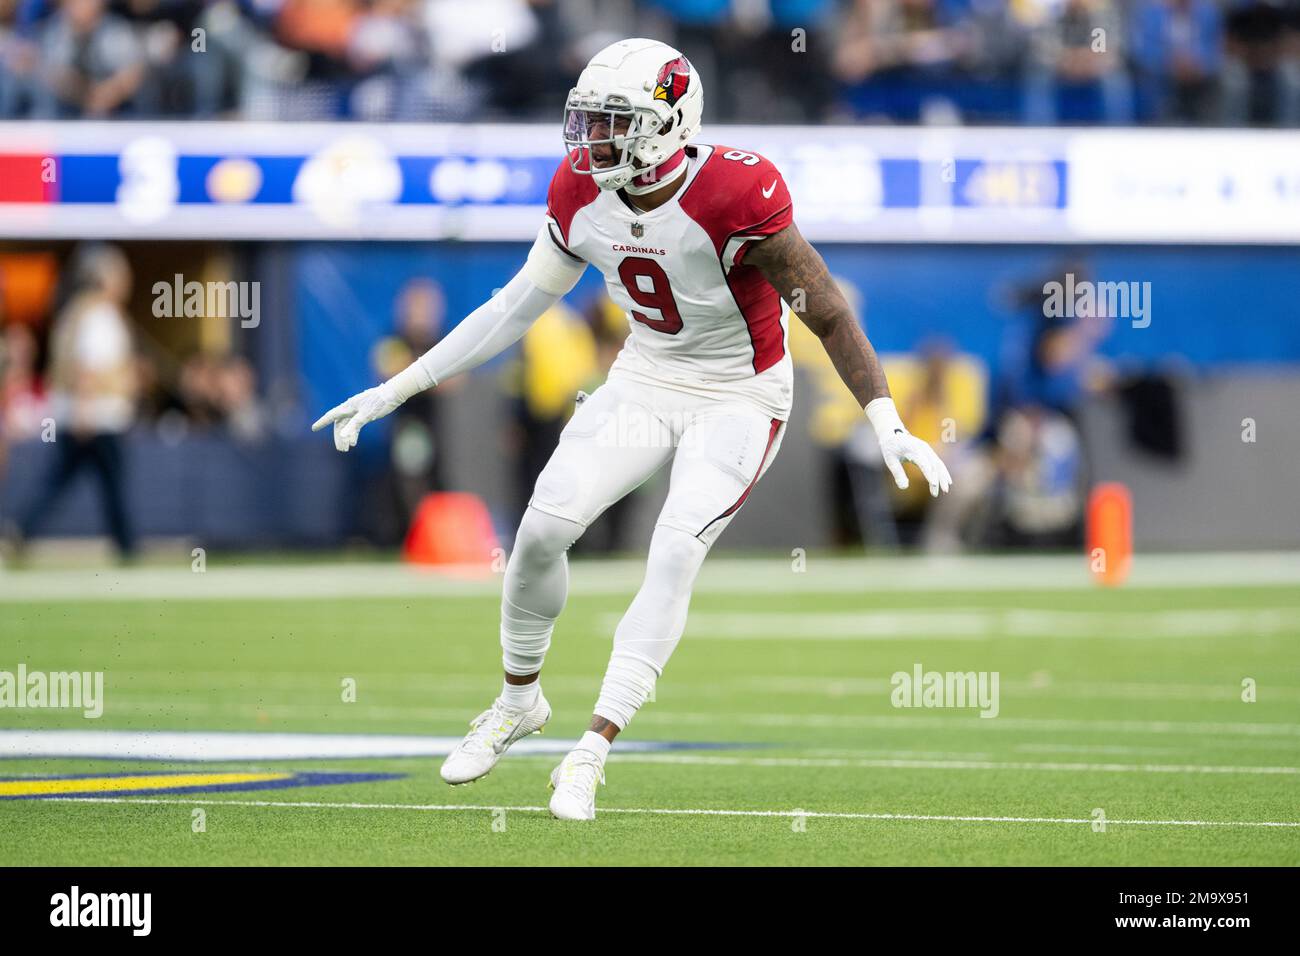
674,76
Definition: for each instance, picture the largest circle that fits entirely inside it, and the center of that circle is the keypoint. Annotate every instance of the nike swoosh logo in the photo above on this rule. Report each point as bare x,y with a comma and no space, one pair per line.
767,193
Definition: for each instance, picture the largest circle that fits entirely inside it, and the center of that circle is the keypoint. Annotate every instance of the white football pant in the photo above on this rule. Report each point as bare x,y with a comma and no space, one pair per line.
617,438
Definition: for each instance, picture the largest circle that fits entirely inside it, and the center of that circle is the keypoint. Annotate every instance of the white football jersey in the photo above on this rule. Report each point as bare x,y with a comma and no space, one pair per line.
701,320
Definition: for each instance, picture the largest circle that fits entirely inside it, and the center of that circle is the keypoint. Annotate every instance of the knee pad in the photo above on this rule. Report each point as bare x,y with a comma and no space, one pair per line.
542,538
674,561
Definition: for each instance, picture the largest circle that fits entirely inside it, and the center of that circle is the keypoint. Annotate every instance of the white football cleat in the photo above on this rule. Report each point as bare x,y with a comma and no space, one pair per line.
574,782
491,734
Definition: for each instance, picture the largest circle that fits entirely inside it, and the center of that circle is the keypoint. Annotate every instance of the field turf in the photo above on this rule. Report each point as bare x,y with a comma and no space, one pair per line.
1121,736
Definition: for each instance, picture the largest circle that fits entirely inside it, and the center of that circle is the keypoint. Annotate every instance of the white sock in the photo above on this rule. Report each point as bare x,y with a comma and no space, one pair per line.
595,743
521,697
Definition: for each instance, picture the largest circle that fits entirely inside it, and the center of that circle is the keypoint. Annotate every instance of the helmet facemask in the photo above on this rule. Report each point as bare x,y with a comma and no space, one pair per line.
607,124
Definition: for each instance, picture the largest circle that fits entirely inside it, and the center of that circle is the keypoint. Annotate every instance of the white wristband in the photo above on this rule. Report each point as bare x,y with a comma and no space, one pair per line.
411,380
884,417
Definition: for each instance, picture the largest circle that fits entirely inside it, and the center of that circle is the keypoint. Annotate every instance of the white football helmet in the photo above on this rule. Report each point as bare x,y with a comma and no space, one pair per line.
639,101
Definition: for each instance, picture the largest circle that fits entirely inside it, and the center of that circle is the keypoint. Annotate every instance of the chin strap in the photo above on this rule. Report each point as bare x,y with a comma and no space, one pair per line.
666,172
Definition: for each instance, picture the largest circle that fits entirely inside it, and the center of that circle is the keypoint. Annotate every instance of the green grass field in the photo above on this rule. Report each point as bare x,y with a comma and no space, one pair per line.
1124,702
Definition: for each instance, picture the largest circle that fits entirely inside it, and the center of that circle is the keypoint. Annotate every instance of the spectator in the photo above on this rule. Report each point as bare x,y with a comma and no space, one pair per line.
213,392
1042,477
418,446
943,403
1078,74
851,471
496,49
707,35
557,357
1037,61
387,52
896,56
1263,78
92,390
1051,360
200,392
22,401
241,413
182,80
785,76
1176,49
19,54
92,64
318,31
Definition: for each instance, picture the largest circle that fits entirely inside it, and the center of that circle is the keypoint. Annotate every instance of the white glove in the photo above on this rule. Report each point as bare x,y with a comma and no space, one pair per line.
897,445
358,410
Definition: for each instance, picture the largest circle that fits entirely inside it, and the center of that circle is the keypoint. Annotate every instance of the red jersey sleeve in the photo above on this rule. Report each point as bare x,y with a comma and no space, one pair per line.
569,191
738,198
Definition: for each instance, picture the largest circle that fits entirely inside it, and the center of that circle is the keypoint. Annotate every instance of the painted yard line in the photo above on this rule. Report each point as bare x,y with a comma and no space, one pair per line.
126,682
1042,686
981,624
785,814
897,764
1226,744
370,712
883,752
971,723
1121,749
823,575
1198,747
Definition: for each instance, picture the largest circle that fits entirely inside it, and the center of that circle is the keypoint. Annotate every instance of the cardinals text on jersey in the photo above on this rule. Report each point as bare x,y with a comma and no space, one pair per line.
701,319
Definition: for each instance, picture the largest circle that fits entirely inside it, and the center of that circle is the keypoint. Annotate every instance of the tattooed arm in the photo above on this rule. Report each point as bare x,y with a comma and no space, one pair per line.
798,273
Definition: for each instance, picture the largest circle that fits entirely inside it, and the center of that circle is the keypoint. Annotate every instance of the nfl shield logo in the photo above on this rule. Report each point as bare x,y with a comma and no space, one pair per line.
638,230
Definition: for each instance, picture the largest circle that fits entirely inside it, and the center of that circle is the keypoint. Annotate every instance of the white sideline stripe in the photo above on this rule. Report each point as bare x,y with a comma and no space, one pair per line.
896,764
222,746
823,575
186,746
824,814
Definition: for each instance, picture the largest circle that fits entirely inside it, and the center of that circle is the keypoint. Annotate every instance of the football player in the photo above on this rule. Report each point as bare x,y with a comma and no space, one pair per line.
697,243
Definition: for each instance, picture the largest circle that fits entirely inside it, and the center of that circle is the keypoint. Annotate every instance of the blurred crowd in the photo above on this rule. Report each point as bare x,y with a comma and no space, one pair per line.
81,368
77,371
1212,62
176,392
1012,436
78,356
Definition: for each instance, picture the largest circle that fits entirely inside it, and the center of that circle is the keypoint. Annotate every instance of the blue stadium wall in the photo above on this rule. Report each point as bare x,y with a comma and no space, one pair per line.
1229,314
1211,306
